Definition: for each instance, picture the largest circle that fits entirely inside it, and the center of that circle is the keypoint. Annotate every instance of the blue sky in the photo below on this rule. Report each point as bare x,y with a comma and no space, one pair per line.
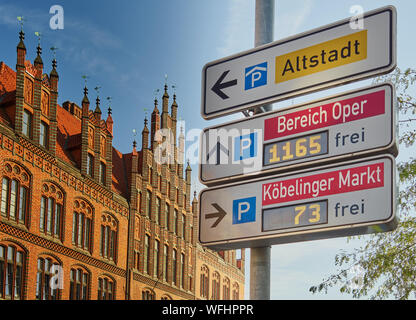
127,47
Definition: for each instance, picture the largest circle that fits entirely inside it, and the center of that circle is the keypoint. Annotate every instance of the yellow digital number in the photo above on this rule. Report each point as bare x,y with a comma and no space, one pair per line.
274,157
300,211
315,212
286,149
301,150
315,147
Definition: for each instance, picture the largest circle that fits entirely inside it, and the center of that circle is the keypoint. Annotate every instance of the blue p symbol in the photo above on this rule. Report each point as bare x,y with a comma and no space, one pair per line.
244,210
256,76
245,146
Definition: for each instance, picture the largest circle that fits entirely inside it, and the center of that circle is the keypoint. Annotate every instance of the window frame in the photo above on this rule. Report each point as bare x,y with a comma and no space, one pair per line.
6,273
44,136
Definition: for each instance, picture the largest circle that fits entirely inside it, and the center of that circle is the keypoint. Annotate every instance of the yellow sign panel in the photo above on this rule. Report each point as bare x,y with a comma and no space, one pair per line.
322,56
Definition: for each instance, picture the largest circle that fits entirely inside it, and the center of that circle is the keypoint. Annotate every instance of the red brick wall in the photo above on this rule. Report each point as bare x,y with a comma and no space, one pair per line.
36,243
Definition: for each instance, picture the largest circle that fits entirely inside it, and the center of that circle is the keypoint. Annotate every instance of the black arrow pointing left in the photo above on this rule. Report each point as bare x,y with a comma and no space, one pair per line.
220,214
219,85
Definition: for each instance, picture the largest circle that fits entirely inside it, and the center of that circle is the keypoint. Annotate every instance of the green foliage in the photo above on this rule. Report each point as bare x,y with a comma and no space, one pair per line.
388,260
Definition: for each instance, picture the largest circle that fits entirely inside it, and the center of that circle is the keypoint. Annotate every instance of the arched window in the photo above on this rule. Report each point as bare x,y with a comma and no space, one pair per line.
158,210
236,291
216,286
15,193
109,229
106,288
165,262
167,215
165,297
204,282
148,203
51,210
12,260
175,221
156,272
43,134
82,224
46,287
174,267
27,123
226,289
79,284
182,270
148,294
183,222
146,253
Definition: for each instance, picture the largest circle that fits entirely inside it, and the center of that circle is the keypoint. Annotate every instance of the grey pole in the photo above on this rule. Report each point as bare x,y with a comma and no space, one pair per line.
264,28
260,257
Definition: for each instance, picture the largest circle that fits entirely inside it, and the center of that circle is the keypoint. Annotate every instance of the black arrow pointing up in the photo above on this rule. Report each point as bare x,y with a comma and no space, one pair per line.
220,214
218,86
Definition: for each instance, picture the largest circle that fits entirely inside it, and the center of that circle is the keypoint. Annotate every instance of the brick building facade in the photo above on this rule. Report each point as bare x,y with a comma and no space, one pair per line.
113,225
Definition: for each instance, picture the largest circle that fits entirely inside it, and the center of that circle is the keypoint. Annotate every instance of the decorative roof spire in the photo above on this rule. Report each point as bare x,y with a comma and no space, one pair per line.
166,87
38,59
97,101
53,71
109,105
21,44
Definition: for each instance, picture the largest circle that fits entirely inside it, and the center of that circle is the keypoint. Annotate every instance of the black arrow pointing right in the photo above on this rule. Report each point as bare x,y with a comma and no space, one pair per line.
220,214
218,86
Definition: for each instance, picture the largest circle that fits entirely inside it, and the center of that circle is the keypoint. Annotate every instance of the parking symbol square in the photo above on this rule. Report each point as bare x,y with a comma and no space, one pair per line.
245,146
255,76
244,210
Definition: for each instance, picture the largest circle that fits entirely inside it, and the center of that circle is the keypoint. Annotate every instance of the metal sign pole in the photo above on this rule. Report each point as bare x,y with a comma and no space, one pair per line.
260,257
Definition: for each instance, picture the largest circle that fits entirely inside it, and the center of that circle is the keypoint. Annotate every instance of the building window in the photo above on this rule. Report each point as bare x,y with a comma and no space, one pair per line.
236,291
148,295
106,288
158,211
204,282
14,200
216,286
109,228
146,253
165,262
136,264
191,284
51,210
156,260
182,270
177,195
148,203
175,221
168,189
82,225
174,267
167,216
27,124
226,289
90,165
43,134
44,290
79,284
15,193
183,222
11,272
102,172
